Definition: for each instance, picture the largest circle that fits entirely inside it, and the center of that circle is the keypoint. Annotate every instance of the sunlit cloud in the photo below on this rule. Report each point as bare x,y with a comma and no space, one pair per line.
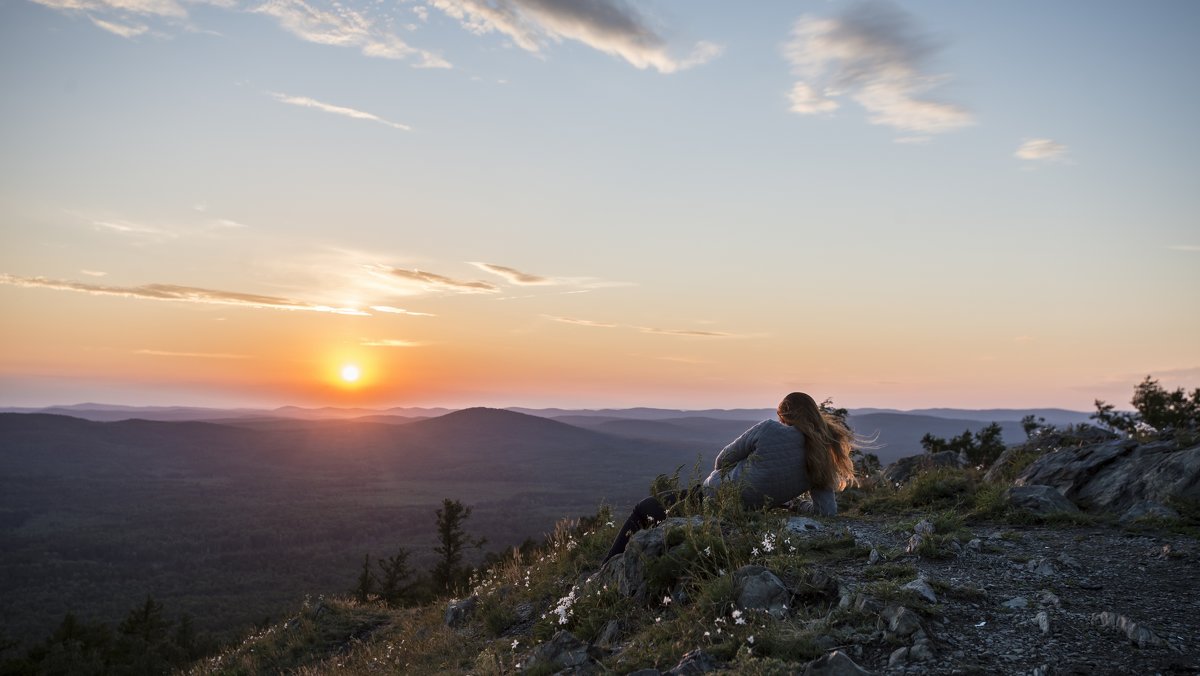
610,26
873,54
160,8
388,309
1184,247
339,25
123,227
120,29
174,293
685,332
228,223
390,342
196,355
435,282
305,102
514,276
1041,149
93,273
580,322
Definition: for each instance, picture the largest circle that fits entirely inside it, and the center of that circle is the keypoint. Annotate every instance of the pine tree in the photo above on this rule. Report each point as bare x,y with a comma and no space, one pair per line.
448,573
366,581
392,587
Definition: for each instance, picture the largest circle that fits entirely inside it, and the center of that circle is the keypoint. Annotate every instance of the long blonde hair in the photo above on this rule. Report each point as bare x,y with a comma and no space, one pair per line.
827,442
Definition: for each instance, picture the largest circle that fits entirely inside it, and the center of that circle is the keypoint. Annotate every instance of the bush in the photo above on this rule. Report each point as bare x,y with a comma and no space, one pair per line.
1156,410
981,448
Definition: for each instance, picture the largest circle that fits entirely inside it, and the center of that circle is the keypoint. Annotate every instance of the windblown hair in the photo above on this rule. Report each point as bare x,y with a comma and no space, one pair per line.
827,442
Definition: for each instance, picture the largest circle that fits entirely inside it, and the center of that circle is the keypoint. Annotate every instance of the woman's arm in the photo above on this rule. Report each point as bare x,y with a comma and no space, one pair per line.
739,448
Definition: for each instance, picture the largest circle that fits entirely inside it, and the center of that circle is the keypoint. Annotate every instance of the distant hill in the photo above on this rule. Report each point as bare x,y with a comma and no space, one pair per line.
1053,416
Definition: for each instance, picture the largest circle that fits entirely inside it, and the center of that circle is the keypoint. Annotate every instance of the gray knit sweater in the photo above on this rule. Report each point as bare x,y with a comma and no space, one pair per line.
767,461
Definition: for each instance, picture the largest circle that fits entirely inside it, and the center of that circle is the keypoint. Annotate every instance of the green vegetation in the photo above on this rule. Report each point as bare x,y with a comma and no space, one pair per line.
980,448
1156,411
448,573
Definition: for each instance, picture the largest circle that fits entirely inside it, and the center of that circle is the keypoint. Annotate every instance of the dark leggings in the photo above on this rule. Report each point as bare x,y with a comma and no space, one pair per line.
647,513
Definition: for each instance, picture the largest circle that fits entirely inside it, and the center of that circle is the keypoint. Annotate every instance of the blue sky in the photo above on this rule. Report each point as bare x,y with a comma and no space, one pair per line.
920,203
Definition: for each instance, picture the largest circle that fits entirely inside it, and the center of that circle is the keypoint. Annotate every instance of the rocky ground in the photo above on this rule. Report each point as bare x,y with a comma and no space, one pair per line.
993,593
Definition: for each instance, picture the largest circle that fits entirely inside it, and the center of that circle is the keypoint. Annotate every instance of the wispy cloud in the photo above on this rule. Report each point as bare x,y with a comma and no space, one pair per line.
685,332
388,309
305,102
93,273
339,25
197,355
1184,247
689,333
174,293
610,26
160,8
514,276
123,227
431,281
580,322
123,30
390,342
873,54
1041,149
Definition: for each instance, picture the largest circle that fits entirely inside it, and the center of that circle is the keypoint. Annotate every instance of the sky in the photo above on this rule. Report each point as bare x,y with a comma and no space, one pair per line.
675,203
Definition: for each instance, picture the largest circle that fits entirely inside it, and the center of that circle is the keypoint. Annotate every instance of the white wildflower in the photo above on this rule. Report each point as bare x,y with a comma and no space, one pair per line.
750,639
515,643
666,600
708,551
754,551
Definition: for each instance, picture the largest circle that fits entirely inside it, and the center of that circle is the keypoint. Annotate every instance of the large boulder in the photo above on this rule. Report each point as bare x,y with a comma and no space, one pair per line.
1115,475
628,571
906,468
1046,441
1040,500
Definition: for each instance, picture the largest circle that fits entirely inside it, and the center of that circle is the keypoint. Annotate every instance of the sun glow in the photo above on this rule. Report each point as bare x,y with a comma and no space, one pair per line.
350,373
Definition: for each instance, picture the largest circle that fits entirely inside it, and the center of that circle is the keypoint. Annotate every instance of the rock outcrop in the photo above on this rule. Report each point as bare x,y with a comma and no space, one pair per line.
904,469
1116,475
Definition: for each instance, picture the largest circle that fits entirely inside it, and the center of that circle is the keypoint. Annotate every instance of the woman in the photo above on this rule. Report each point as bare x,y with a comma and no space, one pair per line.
771,463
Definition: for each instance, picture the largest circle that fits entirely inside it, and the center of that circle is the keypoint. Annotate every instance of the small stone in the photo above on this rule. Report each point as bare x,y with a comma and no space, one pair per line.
914,543
975,545
802,525
1041,566
1067,560
922,651
1016,602
873,558
836,663
922,588
458,610
1049,598
1039,499
923,527
562,651
868,604
901,621
1043,622
1136,633
898,657
759,589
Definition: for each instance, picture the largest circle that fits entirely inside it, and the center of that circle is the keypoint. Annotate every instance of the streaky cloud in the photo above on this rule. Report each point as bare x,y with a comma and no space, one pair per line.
1041,149
196,355
685,332
873,54
175,293
123,30
391,342
388,309
306,102
429,280
581,322
610,26
514,276
93,273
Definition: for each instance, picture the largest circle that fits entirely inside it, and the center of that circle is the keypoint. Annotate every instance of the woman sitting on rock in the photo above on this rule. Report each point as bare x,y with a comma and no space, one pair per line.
771,463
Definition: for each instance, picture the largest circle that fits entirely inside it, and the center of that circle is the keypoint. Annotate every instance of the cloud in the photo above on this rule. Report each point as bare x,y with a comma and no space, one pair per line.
685,332
119,28
123,227
185,294
305,102
198,355
93,273
873,54
610,26
580,322
514,276
431,281
644,329
390,342
1041,149
159,8
341,26
1184,247
388,309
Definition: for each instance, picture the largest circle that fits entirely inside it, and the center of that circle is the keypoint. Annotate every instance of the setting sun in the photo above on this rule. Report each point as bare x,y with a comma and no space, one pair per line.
350,373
